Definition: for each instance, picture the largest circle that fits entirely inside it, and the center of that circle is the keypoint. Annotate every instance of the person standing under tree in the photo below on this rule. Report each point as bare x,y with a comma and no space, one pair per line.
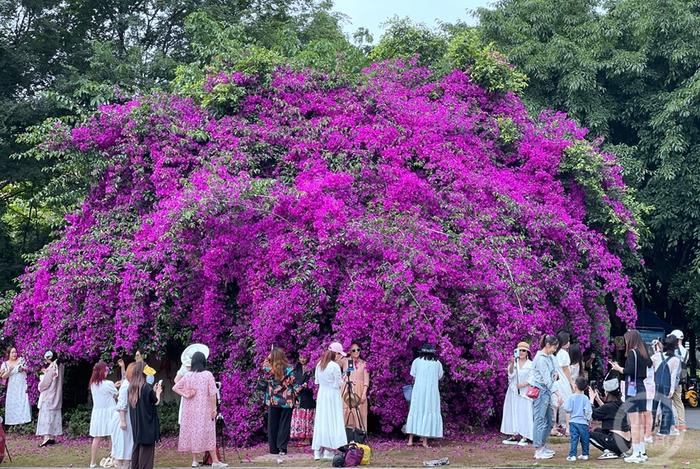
678,407
198,425
329,428
145,425
103,393
544,376
17,409
302,428
636,364
49,424
359,377
122,437
424,415
517,409
279,397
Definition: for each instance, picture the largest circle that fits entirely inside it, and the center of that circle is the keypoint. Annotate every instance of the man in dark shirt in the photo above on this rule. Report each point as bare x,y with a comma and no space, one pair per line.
613,438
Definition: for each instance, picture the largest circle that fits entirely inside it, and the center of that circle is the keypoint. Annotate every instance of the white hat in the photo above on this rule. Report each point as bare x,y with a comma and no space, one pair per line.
678,333
610,385
186,357
337,347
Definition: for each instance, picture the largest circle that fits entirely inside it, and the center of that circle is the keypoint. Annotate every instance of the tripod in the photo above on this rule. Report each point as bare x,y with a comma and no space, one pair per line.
357,434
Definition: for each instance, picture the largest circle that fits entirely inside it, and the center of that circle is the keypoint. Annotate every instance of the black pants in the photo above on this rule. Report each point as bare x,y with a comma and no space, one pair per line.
605,439
279,421
142,456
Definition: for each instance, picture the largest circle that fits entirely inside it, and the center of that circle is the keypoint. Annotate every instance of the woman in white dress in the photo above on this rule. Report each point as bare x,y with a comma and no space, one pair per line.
103,403
329,428
424,415
517,409
17,409
564,383
122,438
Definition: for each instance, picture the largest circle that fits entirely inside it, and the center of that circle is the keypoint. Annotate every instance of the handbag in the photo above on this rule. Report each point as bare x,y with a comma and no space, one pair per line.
407,392
355,435
533,392
353,456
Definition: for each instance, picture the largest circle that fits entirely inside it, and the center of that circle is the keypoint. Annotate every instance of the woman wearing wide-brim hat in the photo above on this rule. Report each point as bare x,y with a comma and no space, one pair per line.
517,419
424,416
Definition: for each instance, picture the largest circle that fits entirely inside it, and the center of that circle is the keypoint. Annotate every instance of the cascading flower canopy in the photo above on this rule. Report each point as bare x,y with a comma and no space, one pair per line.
400,209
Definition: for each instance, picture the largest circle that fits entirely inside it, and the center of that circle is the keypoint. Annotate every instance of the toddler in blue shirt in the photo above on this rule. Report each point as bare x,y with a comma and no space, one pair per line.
580,411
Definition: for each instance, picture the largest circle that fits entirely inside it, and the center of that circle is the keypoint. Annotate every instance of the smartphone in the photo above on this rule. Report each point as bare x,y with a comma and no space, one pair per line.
160,382
516,353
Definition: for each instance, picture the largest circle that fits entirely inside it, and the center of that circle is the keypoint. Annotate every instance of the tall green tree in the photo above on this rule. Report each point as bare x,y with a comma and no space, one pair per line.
629,70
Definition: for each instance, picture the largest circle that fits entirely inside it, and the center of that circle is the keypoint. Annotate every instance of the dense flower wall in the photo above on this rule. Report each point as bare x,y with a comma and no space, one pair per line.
403,209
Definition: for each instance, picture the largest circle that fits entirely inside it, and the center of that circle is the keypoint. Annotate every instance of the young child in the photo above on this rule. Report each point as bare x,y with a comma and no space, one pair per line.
579,408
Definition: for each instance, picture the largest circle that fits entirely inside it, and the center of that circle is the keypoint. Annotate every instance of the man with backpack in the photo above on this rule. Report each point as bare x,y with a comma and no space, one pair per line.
678,407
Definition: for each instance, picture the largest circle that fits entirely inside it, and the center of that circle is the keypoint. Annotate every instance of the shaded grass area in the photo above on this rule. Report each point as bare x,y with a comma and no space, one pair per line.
471,451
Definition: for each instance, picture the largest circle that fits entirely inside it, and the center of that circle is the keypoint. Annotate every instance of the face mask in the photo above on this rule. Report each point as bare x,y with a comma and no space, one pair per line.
150,379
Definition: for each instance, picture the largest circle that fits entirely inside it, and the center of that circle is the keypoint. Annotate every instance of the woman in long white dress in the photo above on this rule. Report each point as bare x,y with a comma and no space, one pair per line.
517,409
103,392
329,429
122,438
563,384
424,415
17,409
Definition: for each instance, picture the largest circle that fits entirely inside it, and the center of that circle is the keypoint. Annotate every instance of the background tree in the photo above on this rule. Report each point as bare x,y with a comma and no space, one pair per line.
628,70
63,59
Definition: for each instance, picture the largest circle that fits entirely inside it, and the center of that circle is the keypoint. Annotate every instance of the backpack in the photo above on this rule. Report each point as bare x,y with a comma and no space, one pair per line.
662,378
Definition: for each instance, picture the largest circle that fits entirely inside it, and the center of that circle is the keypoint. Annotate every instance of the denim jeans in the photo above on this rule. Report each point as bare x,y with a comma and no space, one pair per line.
542,416
579,432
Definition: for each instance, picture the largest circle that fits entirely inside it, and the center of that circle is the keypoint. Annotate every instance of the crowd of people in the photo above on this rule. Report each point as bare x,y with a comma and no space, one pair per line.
559,392
563,391
341,403
123,412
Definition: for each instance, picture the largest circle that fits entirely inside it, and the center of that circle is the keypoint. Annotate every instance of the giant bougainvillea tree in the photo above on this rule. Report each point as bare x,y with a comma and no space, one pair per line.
294,210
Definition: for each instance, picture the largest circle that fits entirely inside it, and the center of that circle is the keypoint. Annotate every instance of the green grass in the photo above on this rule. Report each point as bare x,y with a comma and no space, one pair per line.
673,452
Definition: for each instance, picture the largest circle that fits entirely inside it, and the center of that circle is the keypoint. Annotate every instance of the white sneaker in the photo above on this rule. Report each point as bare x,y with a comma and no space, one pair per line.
523,442
583,457
219,464
635,458
648,440
510,441
571,458
607,454
674,432
539,454
644,456
549,450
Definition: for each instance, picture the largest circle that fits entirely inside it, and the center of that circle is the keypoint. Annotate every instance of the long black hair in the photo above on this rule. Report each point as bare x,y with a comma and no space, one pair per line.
199,362
670,345
564,338
576,357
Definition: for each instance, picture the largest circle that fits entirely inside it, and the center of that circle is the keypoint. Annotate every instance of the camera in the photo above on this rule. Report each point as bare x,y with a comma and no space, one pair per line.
351,367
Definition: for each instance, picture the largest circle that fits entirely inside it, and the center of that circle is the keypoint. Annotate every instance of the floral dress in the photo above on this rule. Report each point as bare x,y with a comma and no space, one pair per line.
17,409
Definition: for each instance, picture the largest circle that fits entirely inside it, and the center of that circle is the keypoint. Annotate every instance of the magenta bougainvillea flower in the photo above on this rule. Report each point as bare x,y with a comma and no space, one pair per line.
401,209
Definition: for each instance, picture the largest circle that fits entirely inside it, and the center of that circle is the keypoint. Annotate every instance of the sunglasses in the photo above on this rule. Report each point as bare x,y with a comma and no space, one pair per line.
354,349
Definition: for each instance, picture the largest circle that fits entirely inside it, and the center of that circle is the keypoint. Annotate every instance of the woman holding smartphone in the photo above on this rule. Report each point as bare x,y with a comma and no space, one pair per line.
637,362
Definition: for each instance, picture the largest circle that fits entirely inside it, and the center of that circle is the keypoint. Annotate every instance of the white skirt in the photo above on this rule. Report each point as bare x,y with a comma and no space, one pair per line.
122,440
49,422
329,427
517,415
101,422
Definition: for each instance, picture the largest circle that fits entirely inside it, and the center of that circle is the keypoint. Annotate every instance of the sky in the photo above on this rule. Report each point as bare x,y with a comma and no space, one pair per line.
372,13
